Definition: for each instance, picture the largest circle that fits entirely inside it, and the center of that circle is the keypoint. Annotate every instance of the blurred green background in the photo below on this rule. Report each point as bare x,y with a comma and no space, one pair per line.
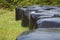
9,27
11,4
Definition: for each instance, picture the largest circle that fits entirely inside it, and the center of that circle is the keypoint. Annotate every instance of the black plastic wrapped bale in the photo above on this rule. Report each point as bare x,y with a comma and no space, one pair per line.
25,21
33,19
49,23
32,23
19,12
42,34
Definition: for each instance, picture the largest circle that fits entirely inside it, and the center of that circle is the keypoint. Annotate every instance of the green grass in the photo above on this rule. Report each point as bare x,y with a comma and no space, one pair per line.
9,28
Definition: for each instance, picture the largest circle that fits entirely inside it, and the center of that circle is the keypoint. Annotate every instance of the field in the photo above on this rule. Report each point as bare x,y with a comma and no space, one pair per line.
9,27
